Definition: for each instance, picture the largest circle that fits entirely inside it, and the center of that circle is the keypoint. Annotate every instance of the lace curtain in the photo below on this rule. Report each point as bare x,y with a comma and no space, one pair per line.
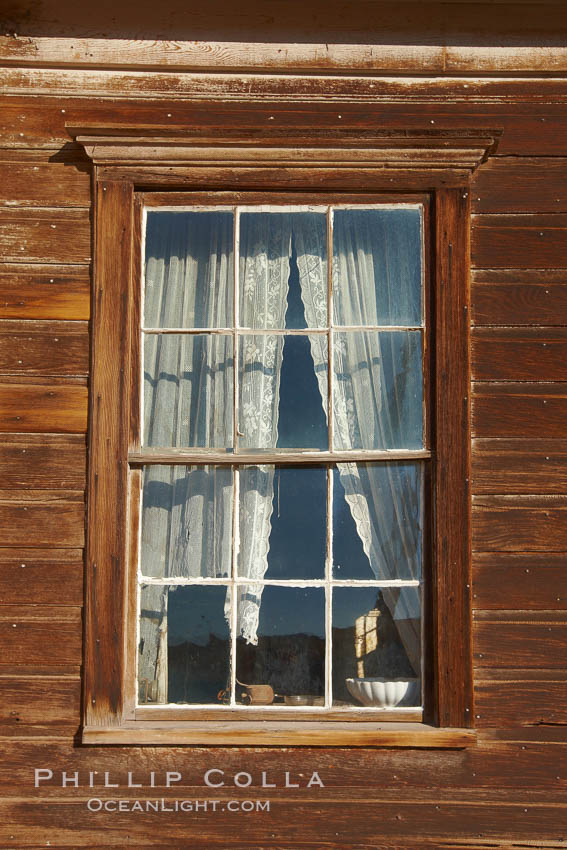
188,387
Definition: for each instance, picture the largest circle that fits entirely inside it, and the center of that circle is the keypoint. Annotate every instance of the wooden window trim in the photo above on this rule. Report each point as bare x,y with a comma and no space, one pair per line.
130,160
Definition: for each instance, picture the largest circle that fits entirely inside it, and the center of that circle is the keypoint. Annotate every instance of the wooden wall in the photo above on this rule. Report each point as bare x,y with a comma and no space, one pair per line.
507,791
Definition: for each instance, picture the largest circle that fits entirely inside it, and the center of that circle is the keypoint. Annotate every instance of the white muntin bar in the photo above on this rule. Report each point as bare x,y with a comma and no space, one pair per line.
180,581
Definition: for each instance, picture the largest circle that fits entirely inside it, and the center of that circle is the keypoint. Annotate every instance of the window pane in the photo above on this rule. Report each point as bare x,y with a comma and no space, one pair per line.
290,654
377,267
184,649
295,532
377,521
280,252
283,391
189,273
188,390
187,521
378,390
376,635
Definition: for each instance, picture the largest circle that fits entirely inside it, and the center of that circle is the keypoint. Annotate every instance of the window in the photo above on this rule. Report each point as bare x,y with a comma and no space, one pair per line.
283,383
287,384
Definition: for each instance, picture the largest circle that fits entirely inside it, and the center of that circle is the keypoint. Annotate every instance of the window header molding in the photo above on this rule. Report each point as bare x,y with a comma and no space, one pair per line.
144,152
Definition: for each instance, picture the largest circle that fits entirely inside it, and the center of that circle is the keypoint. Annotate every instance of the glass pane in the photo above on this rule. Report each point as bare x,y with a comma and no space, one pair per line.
283,270
376,646
187,521
296,530
283,391
184,648
188,390
377,267
290,653
378,390
189,273
377,521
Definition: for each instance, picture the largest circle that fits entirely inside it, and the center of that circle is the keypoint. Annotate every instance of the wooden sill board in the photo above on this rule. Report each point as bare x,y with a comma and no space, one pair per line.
416,735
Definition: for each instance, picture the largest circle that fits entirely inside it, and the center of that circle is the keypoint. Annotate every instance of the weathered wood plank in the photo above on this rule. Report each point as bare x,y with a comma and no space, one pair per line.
530,129
45,235
520,185
37,292
519,354
517,701
44,184
28,642
520,643
519,466
519,297
50,701
520,580
519,523
44,520
519,410
519,241
44,348
64,821
43,407
156,84
52,461
37,576
289,56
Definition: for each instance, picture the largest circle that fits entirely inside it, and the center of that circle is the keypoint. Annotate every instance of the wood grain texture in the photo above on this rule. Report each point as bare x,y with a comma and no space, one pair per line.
519,523
520,642
519,466
403,821
37,576
40,701
451,579
44,348
43,407
519,354
519,410
530,129
520,185
519,297
519,241
513,699
45,235
51,640
42,518
40,292
52,461
43,184
520,581
108,450
283,56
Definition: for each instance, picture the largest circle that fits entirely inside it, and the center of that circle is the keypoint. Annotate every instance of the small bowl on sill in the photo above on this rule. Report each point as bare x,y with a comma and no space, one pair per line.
383,693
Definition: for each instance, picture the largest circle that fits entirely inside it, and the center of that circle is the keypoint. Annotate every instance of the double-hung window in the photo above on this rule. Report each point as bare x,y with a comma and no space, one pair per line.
284,458
278,508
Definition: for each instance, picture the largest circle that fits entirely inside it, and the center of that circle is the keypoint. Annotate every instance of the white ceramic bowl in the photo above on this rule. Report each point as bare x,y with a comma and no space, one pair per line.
383,693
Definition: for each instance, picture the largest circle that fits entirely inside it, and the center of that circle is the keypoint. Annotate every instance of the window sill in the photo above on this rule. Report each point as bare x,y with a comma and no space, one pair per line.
269,734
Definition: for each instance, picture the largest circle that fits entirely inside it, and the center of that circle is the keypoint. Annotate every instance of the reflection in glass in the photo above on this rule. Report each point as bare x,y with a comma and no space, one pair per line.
376,633
278,251
189,270
281,391
188,390
184,648
187,521
298,526
378,390
377,267
290,654
378,519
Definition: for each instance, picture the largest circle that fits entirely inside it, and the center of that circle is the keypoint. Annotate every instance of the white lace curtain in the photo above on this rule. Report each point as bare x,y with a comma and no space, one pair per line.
187,512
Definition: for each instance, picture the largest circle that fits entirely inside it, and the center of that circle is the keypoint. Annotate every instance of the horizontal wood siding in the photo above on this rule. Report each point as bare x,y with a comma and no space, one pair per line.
507,790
